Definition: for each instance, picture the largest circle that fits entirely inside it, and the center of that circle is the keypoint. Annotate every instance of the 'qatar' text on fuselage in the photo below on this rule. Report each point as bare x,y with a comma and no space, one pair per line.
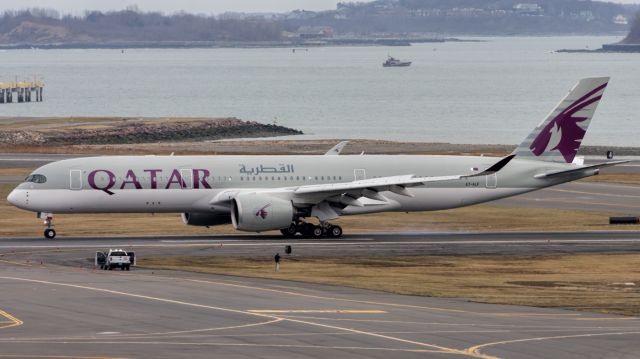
96,179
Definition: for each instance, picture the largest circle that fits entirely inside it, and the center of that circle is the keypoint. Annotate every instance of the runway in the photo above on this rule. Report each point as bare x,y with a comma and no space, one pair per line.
54,311
82,249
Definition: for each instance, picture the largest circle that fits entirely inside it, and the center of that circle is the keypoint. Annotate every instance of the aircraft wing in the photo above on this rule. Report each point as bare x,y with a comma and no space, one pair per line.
395,184
595,167
348,192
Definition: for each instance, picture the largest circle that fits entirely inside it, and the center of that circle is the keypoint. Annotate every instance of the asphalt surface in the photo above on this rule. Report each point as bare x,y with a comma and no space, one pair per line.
55,304
28,160
82,249
612,198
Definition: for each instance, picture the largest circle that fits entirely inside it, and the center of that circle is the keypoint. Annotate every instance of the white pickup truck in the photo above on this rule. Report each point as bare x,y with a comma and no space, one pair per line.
115,258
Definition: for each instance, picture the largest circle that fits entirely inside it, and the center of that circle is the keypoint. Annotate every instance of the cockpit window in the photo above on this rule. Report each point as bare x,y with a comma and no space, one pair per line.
36,178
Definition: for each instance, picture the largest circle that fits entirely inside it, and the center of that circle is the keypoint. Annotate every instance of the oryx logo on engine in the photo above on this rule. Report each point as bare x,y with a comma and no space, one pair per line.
262,212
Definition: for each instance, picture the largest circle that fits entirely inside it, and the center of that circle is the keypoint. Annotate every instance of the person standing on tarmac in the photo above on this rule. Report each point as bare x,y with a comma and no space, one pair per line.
277,260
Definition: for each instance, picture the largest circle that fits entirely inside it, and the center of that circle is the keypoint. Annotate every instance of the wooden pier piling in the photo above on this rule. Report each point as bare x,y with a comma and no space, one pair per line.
23,91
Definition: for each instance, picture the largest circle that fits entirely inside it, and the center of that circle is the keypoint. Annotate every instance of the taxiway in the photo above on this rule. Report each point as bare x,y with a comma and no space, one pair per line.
49,311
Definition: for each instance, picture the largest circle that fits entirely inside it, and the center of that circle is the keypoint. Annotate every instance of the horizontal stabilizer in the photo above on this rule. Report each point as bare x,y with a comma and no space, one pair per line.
578,170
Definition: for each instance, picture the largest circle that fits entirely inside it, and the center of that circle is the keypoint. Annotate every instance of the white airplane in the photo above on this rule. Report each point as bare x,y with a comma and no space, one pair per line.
262,193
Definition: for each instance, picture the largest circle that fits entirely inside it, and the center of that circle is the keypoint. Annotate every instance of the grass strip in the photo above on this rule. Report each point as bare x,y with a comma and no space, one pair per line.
606,283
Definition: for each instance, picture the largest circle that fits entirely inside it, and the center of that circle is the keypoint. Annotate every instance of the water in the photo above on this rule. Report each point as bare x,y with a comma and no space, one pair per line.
484,92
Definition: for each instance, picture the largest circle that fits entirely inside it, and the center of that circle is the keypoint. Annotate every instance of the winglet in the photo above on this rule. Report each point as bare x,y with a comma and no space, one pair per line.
335,150
495,167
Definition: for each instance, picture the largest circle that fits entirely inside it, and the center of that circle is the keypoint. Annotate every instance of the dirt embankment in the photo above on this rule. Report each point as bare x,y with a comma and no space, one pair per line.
68,131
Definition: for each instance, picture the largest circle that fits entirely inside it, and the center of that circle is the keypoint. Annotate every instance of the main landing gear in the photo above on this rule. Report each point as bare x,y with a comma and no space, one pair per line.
310,230
49,232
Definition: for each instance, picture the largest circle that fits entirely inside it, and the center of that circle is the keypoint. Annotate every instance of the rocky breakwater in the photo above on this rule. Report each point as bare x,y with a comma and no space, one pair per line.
75,131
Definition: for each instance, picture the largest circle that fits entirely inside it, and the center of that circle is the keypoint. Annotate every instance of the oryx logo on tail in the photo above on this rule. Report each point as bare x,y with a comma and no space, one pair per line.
559,136
564,133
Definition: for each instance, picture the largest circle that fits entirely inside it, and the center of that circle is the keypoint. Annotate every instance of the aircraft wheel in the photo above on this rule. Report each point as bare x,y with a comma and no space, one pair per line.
317,232
307,229
49,233
290,231
335,231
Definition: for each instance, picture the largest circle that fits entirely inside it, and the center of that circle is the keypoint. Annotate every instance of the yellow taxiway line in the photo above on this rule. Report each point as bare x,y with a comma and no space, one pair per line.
13,321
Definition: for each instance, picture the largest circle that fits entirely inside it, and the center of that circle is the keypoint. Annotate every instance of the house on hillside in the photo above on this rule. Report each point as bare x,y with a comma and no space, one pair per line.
528,9
315,32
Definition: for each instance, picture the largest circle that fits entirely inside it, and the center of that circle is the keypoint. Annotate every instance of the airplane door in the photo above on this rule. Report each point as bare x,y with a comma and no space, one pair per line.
75,179
359,174
187,178
492,181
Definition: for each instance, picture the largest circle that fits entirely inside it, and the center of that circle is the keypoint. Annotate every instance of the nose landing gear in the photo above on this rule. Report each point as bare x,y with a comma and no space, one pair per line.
49,232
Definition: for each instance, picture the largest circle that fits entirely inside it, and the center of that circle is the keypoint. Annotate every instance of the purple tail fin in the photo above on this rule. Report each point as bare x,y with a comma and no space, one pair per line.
559,136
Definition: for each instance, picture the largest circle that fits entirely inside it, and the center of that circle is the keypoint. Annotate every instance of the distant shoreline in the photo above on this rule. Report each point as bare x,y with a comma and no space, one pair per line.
62,131
607,48
234,44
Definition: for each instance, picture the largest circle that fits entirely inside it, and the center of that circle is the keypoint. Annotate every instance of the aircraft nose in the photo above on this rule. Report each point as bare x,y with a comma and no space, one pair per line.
15,197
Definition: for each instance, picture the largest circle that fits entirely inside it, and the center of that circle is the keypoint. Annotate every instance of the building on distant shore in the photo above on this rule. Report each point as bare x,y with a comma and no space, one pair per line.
314,32
528,9
621,20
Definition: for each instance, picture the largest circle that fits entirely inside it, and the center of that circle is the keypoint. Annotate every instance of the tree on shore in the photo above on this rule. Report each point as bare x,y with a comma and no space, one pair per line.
42,26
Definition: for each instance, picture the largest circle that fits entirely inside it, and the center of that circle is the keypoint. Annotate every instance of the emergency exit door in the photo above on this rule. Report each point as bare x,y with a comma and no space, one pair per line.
75,179
492,181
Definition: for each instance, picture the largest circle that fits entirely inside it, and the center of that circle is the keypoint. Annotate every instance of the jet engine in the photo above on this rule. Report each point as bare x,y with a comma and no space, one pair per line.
255,212
205,219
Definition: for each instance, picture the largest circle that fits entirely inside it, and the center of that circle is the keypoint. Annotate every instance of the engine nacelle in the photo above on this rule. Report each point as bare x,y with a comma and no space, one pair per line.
205,219
255,212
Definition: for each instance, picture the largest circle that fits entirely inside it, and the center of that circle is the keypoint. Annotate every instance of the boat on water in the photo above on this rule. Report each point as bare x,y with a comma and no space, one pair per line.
393,62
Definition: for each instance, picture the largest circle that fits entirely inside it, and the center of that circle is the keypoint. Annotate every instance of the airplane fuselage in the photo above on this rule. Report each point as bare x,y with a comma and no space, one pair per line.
154,184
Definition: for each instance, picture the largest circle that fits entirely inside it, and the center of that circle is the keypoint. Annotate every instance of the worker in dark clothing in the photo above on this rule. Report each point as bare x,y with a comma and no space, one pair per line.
277,260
